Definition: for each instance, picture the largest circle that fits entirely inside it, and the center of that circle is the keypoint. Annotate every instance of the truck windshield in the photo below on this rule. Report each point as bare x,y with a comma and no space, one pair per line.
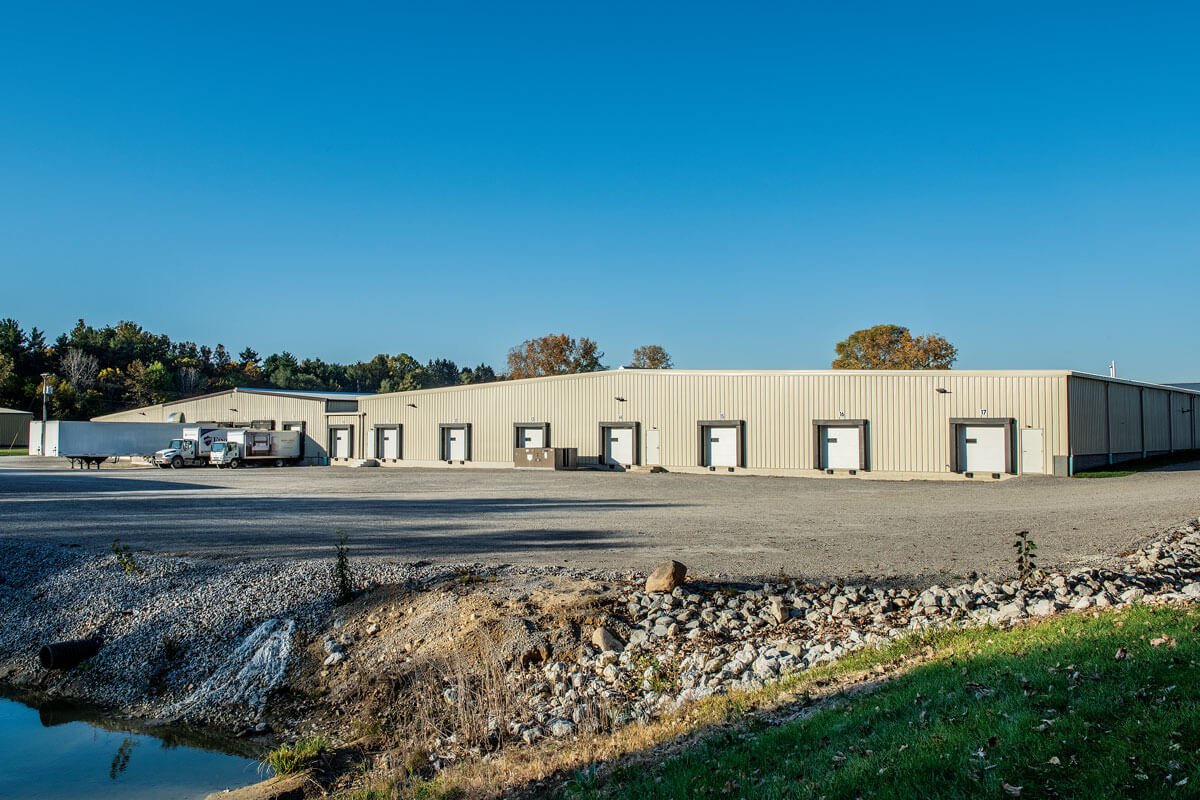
176,444
218,447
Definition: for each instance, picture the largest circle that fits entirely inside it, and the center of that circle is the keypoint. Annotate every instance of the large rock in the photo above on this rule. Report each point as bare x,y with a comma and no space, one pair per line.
669,575
604,639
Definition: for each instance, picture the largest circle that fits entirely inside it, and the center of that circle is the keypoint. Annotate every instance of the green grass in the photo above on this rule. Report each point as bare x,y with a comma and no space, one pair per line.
1140,465
289,758
13,451
1048,708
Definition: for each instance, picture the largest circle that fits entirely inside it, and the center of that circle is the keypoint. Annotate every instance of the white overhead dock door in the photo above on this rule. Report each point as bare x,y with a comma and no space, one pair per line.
721,443
840,444
721,447
341,442
983,445
620,443
532,435
839,448
456,442
387,443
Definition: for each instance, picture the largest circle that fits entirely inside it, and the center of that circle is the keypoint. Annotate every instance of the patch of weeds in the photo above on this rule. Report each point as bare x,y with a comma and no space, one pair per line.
373,793
584,780
290,758
436,789
343,579
467,575
663,678
367,729
125,560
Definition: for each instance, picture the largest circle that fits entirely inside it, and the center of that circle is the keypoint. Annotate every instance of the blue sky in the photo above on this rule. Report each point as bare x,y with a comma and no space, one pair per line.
742,183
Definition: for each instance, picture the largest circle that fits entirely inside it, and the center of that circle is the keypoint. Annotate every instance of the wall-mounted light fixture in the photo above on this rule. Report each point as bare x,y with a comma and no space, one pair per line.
940,390
619,399
412,405
233,410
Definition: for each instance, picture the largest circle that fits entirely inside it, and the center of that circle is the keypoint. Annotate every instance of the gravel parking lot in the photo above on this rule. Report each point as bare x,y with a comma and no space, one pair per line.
726,525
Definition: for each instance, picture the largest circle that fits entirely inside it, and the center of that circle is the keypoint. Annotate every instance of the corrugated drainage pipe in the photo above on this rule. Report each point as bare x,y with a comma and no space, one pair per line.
64,655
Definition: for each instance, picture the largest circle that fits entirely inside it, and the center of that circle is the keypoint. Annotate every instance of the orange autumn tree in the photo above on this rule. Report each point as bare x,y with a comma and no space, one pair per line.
555,354
651,356
893,347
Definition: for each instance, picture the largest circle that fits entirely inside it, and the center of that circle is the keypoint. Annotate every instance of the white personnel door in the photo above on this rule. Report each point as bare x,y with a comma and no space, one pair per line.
840,448
981,448
721,447
389,443
1033,451
341,442
618,445
653,457
533,437
456,444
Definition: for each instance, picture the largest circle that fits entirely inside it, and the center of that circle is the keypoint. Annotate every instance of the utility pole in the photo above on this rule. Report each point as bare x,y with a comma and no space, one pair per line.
45,386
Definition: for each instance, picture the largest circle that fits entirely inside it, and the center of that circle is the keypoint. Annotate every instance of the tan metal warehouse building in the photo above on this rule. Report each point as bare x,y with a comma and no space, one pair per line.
890,423
317,414
14,428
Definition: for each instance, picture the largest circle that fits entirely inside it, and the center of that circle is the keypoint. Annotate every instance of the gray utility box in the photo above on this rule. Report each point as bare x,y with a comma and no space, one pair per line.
546,457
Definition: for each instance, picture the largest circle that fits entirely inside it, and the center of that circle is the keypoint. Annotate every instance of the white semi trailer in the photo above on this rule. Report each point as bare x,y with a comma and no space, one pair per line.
192,448
261,447
91,443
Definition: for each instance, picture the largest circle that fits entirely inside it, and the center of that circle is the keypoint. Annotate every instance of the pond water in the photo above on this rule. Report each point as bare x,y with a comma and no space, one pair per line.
58,751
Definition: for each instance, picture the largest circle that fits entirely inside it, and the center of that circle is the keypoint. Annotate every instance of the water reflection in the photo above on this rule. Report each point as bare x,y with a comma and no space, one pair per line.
59,750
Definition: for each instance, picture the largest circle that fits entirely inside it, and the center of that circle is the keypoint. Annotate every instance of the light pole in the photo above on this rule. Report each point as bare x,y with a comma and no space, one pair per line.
45,386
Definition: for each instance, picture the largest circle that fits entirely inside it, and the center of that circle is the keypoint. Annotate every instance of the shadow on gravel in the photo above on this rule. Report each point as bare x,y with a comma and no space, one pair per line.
32,485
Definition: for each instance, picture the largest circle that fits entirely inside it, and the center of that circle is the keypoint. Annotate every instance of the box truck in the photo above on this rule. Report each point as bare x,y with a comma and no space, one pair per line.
261,447
93,442
192,449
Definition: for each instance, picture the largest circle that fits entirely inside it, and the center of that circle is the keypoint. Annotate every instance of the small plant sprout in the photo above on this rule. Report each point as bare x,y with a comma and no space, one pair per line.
125,559
343,580
1026,557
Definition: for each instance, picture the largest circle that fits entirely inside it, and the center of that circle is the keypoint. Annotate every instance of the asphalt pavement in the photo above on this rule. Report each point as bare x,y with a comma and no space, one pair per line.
716,524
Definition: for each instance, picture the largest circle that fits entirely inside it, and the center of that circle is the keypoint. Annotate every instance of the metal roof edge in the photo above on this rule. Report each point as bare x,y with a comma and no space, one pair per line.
1147,384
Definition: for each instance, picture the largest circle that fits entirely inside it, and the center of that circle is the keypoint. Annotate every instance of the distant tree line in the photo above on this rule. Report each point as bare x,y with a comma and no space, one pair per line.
95,371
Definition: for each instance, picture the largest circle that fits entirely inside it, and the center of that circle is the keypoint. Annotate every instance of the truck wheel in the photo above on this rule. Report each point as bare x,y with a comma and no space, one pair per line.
176,462
237,462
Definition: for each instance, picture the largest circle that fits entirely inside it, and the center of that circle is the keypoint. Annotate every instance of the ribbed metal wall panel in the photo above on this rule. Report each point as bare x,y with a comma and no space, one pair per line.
1088,417
1156,405
14,428
1124,418
908,420
1181,421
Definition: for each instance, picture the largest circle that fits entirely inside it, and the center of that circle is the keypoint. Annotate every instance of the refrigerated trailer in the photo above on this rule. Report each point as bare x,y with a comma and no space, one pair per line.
252,446
91,443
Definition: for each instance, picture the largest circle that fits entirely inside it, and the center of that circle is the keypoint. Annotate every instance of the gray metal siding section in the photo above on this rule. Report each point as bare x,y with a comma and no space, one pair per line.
14,429
1111,417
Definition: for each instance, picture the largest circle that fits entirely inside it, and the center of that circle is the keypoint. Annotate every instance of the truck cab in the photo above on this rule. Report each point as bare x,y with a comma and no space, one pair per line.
226,454
176,453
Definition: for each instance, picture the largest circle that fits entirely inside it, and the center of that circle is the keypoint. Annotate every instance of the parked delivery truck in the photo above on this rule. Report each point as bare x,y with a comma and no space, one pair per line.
251,446
192,448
